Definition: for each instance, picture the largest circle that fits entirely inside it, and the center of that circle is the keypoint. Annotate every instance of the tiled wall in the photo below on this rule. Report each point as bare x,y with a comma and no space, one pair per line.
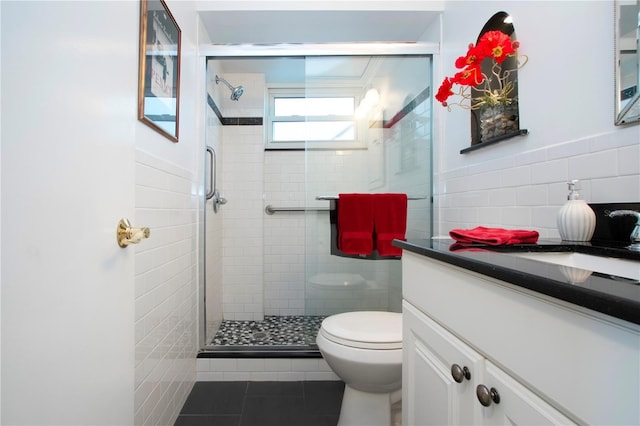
528,189
284,234
264,369
297,244
166,338
242,241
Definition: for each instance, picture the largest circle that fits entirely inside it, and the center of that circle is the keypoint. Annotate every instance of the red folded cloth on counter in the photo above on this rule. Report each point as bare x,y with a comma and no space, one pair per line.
494,236
390,217
355,223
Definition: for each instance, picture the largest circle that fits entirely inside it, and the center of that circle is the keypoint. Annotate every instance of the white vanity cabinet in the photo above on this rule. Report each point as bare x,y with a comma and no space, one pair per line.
442,377
548,362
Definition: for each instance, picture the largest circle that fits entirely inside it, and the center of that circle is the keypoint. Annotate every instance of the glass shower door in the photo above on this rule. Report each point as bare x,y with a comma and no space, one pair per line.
382,145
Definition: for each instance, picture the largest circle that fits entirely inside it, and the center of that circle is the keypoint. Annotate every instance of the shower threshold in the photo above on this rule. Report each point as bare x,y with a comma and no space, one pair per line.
275,336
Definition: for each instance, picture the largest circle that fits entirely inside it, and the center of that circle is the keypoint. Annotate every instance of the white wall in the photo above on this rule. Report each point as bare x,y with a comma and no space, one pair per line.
566,102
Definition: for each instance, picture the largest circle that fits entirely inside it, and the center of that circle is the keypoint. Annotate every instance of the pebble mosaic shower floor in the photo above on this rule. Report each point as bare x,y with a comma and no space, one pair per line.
296,330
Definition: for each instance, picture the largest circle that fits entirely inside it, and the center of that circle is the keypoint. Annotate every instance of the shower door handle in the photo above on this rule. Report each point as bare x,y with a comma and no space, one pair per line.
212,192
212,174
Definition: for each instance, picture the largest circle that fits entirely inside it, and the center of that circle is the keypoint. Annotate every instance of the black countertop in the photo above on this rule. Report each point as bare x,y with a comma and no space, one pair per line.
615,296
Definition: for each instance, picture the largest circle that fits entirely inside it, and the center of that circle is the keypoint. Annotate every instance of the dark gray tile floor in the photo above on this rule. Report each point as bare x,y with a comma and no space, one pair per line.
313,403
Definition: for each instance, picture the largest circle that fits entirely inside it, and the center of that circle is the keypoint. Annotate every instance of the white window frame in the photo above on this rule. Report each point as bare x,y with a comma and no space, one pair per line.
300,91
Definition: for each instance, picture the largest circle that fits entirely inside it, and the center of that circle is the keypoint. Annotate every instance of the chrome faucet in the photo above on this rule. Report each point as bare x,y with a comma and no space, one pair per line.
635,234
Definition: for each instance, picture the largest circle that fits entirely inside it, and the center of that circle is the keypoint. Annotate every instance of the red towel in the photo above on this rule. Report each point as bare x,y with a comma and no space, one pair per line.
390,211
494,236
355,223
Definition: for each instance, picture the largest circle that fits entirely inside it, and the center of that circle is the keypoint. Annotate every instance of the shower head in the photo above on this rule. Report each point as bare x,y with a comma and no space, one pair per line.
236,92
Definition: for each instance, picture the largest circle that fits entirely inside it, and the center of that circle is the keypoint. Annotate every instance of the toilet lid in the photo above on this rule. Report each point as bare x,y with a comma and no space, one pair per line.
366,329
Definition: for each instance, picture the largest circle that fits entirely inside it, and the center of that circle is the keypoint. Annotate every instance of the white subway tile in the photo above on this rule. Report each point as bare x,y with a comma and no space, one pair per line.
203,364
264,377
277,365
517,176
249,364
502,197
236,377
550,171
629,160
532,196
291,376
619,189
304,365
321,376
596,165
204,376
224,364
165,354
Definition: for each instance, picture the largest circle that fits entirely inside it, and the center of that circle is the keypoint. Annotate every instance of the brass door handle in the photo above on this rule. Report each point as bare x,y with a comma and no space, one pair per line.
126,234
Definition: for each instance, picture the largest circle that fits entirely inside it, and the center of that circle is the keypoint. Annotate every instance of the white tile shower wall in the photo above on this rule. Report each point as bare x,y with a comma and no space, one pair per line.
331,173
284,234
242,216
288,257
528,189
166,338
408,165
263,369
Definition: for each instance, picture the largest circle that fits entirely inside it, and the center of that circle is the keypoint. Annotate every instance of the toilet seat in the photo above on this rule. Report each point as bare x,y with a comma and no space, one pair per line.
364,330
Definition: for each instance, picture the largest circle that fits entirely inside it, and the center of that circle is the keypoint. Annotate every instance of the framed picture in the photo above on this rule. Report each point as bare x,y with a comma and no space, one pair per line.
159,73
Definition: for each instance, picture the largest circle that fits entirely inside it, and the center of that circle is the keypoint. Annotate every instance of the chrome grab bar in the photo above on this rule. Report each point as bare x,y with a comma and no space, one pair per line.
269,209
212,180
213,192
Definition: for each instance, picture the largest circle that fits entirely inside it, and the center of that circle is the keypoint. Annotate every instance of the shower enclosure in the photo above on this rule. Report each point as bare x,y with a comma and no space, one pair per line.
307,128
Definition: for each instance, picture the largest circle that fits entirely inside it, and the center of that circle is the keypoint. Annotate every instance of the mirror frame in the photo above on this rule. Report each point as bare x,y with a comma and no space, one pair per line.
630,113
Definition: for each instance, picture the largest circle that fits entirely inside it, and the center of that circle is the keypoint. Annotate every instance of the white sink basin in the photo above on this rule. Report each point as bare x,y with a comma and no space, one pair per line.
605,265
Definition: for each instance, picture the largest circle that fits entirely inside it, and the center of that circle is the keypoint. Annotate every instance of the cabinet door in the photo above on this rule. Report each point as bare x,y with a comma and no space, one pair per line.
430,394
517,405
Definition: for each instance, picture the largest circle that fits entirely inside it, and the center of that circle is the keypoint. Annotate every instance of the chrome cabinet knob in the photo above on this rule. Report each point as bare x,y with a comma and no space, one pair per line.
487,396
459,374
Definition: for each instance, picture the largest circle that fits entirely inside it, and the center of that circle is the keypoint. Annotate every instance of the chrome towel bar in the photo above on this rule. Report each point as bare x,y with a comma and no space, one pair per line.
269,209
335,197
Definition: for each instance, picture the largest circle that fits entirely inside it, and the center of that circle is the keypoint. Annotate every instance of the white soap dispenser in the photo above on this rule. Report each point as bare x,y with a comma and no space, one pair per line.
576,220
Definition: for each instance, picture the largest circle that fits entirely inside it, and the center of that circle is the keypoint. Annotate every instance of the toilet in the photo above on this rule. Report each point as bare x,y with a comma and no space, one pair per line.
365,350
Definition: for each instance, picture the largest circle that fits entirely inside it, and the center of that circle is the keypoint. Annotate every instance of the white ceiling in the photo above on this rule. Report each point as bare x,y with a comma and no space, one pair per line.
316,27
274,27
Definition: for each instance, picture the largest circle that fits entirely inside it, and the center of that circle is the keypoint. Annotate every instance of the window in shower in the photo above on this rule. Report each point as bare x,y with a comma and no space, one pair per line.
319,118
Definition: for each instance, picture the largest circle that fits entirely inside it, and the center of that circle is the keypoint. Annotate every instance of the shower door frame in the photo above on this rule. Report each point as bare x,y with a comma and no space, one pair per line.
207,51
